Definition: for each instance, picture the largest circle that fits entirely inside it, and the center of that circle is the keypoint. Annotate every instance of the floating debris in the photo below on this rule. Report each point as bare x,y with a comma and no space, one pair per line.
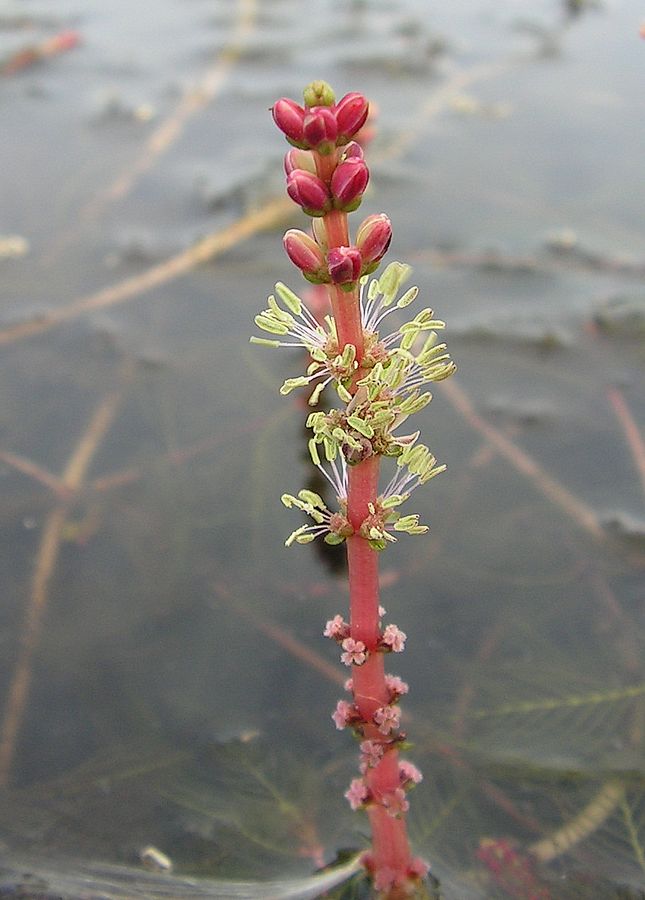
30,55
154,859
466,104
13,246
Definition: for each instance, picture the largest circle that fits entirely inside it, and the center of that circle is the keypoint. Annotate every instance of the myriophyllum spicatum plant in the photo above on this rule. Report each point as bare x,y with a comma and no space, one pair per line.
379,378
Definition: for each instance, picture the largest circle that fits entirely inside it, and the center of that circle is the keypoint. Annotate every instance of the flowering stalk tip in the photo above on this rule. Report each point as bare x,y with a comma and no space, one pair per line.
380,373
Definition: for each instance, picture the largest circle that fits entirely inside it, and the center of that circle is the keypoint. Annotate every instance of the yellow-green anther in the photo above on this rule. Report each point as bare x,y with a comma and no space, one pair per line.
331,449
290,300
409,338
392,501
392,279
343,393
430,351
361,426
313,452
373,289
415,403
433,472
288,500
278,312
311,497
318,354
305,538
383,419
348,355
292,383
406,522
270,325
294,535
338,434
315,395
265,342
407,298
333,539
419,529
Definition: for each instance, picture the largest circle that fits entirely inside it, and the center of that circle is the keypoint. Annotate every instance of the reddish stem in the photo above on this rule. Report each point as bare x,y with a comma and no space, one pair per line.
345,304
390,846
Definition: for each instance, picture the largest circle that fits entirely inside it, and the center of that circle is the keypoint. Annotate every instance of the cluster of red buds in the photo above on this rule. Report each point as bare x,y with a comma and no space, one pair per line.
323,181
321,124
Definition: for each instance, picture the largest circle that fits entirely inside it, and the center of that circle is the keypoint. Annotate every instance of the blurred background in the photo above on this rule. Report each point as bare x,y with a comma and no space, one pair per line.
163,676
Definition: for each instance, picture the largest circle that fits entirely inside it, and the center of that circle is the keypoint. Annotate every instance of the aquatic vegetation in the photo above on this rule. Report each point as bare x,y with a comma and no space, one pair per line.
379,380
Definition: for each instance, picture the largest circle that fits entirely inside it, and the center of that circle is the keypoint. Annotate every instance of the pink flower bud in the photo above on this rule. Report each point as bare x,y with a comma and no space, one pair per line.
344,265
351,112
372,239
299,159
348,183
320,129
304,252
353,149
309,192
290,118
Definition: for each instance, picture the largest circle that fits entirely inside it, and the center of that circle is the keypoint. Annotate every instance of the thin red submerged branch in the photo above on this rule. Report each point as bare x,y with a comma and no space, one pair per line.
379,380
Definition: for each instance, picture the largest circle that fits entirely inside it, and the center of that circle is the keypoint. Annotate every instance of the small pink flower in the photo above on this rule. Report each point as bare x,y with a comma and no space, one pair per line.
387,718
418,868
290,118
357,793
351,111
396,686
344,714
372,753
394,638
396,803
408,773
355,652
348,183
385,879
349,685
345,265
308,191
336,628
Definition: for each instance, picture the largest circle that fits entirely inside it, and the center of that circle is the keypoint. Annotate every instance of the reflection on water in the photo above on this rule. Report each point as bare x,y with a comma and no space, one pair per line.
164,678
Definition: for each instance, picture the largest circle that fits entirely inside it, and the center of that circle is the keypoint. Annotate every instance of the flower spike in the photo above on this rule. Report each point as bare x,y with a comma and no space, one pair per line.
380,371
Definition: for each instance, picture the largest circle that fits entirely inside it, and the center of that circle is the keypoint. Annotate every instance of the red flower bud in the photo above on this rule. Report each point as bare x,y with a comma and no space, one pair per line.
344,264
309,192
348,183
299,159
353,149
372,239
290,118
320,129
304,252
351,112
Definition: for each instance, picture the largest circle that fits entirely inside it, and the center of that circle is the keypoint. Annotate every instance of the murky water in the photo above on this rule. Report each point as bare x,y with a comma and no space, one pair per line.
165,680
